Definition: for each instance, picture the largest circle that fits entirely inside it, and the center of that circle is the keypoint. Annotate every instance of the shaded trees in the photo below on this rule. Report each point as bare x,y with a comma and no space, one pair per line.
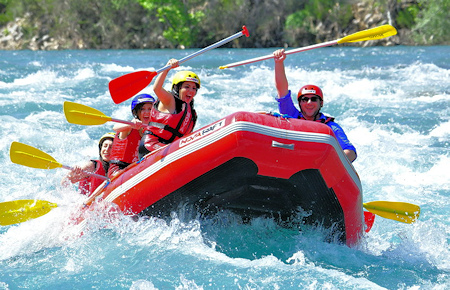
180,19
95,24
432,24
103,24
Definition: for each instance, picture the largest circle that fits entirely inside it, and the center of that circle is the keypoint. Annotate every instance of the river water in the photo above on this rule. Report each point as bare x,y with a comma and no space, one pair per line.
393,103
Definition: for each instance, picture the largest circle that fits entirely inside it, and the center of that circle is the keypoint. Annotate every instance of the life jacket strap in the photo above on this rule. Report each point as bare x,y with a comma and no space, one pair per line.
121,164
174,131
324,121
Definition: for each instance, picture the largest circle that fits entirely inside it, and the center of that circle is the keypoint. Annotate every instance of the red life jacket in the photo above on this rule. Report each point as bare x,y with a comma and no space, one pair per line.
125,151
165,128
88,185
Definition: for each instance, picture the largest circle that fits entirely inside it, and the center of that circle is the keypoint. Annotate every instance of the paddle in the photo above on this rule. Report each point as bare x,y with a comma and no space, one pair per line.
126,86
369,219
84,115
369,34
19,211
399,211
32,157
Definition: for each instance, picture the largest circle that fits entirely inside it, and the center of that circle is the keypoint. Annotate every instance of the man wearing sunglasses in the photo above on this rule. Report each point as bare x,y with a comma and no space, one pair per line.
310,101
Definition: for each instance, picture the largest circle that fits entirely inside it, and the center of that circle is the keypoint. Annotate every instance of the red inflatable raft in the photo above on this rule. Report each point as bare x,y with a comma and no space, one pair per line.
252,164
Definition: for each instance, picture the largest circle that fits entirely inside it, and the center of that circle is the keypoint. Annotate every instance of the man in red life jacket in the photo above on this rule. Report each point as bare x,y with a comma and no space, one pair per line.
126,142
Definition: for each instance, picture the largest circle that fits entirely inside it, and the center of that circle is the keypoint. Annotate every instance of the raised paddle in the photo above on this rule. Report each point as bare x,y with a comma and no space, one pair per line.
32,157
126,86
369,34
19,211
400,211
84,115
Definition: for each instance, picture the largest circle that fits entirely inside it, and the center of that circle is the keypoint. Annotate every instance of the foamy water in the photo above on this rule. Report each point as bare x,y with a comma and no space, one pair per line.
392,102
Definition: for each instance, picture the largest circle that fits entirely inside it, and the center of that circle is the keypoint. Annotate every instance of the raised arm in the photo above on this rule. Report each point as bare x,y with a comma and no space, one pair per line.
281,81
167,101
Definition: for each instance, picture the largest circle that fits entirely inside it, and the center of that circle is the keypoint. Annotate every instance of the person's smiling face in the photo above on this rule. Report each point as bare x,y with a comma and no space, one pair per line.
144,113
188,91
105,151
310,105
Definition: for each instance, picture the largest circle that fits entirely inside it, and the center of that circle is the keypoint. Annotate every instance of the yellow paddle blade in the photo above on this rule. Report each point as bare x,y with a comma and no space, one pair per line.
18,211
400,211
370,34
83,115
32,157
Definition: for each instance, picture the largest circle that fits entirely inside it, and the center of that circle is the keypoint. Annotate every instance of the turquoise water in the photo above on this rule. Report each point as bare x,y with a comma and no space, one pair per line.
393,103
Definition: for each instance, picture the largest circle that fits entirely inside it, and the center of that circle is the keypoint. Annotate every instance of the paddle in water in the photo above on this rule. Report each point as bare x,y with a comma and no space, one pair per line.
13,212
19,211
400,211
126,86
369,34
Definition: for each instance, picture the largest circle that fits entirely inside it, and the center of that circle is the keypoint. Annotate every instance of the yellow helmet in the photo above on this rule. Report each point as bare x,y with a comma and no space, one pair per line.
185,76
109,135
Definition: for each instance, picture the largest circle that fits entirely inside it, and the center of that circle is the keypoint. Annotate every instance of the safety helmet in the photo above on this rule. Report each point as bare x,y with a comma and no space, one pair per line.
310,89
138,100
185,76
109,135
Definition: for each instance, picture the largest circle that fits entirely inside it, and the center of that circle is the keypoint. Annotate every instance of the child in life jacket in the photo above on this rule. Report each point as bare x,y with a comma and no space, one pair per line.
173,115
310,101
126,142
88,183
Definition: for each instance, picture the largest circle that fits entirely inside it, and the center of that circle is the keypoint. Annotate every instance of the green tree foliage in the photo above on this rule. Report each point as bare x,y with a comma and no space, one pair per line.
263,18
319,11
180,19
406,18
433,22
307,21
12,9
86,23
104,24
5,11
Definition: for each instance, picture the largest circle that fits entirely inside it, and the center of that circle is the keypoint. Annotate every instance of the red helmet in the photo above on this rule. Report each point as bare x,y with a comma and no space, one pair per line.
310,89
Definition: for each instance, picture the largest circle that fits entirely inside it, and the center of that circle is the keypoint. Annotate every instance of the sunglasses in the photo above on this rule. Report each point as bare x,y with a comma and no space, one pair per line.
313,99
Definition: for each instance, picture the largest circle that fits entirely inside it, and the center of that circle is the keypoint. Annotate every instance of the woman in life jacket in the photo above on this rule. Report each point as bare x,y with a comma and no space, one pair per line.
88,183
173,115
310,101
126,142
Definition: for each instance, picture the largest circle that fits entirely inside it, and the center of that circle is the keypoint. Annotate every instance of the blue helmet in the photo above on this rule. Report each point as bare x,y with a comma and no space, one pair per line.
139,101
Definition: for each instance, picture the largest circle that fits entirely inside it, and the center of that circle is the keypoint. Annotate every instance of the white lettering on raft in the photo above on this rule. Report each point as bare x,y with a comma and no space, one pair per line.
206,131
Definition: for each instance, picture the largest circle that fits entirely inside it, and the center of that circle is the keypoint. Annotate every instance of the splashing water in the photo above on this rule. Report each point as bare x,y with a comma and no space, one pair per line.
393,103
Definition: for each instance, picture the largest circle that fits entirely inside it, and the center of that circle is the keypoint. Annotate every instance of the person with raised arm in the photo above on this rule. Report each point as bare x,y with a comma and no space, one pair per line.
310,101
173,115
